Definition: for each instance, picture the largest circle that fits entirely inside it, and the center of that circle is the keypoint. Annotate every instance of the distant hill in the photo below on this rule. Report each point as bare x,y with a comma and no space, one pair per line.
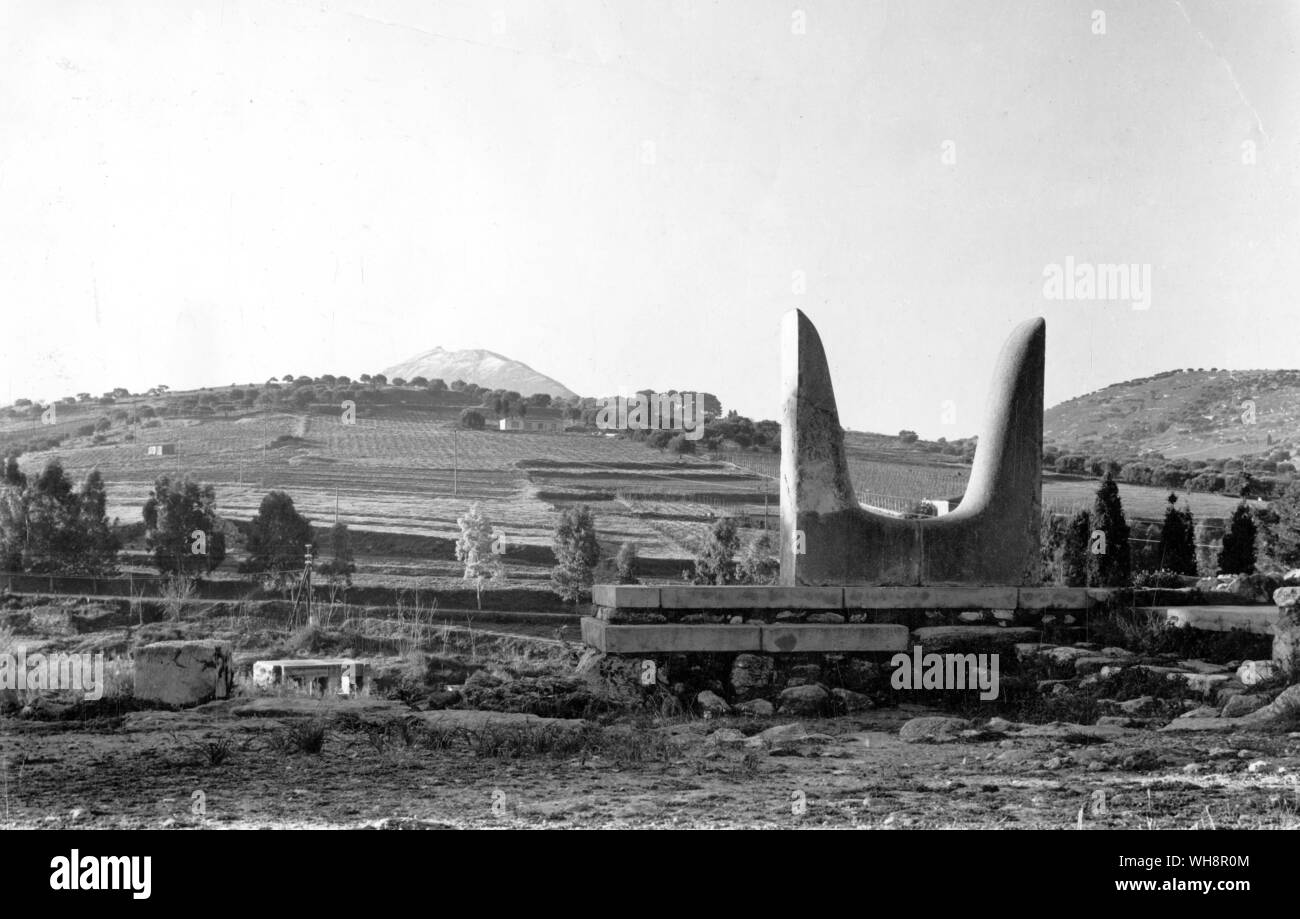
486,368
1198,414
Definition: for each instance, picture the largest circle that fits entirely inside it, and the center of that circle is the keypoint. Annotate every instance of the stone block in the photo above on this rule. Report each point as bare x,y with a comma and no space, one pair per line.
960,598
625,596
1054,598
751,597
669,638
184,673
801,637
1257,620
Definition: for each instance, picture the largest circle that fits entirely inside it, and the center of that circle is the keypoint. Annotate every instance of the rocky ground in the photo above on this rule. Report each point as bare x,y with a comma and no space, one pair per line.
490,730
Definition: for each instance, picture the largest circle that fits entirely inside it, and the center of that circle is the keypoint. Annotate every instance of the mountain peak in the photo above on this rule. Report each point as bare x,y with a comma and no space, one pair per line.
478,365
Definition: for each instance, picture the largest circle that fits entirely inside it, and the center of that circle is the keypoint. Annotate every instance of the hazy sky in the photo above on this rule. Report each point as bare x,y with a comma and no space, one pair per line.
622,194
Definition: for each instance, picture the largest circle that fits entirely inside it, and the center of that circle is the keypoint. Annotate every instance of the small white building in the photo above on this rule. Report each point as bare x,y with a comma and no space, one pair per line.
531,425
162,449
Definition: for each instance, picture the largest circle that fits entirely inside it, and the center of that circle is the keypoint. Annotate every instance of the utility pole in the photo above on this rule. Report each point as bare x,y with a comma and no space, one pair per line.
455,460
307,581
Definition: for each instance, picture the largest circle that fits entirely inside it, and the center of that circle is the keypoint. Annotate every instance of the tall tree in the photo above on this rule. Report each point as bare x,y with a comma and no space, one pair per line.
278,538
1238,553
182,528
340,565
1075,566
1113,566
577,552
99,544
1178,539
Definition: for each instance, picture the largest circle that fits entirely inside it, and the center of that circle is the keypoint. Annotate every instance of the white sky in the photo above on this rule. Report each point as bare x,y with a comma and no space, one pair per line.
199,193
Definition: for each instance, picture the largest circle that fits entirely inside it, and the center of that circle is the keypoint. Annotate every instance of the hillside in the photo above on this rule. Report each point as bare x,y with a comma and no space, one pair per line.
486,368
1197,414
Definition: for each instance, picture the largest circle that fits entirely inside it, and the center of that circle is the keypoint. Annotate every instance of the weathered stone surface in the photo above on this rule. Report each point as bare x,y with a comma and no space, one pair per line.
940,639
1243,705
1286,635
759,708
824,617
1056,598
633,616
726,737
1257,620
1201,711
1251,673
648,639
991,540
933,729
713,618
803,674
325,707
751,675
751,597
624,596
1285,708
809,699
1142,705
960,598
792,637
853,701
711,704
184,672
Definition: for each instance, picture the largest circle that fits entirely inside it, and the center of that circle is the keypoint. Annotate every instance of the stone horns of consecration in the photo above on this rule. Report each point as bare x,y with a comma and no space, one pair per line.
992,537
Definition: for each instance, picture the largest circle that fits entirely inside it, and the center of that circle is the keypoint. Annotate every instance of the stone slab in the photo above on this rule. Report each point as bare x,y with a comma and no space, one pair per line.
747,597
669,638
929,597
943,638
184,673
1054,598
790,638
625,596
1258,620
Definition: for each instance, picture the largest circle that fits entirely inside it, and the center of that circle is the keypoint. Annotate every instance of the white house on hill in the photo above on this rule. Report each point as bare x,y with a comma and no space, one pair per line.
532,425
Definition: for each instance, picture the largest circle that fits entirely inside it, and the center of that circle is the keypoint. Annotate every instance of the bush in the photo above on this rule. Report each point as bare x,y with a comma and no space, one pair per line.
681,445
1159,578
471,420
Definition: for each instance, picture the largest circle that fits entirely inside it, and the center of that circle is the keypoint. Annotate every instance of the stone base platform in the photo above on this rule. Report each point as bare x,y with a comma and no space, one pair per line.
775,638
1258,620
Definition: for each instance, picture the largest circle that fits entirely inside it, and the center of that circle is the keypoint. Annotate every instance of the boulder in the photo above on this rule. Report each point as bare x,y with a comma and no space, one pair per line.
933,729
184,673
712,705
1286,630
1243,705
751,675
1252,673
809,699
853,701
1142,705
759,708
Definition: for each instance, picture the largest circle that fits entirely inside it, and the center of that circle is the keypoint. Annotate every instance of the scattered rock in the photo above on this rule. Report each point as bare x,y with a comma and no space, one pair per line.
933,729
811,699
726,737
712,705
759,708
1243,705
825,617
853,701
1202,711
803,674
1252,673
1142,705
751,675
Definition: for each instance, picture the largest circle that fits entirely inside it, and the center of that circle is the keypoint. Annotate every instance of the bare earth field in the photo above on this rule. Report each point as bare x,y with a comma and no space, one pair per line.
846,772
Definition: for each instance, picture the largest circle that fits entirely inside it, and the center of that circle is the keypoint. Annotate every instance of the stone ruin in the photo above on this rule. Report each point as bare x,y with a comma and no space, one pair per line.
855,583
